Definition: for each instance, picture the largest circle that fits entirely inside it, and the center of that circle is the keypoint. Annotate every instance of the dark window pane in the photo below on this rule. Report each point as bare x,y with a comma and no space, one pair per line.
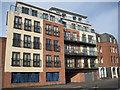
25,77
15,58
36,43
27,41
48,44
25,10
36,60
34,13
26,59
52,76
27,24
36,26
16,40
48,61
48,29
56,31
56,61
18,22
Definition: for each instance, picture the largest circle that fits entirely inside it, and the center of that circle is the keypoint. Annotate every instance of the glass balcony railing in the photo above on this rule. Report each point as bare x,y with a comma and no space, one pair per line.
80,39
80,53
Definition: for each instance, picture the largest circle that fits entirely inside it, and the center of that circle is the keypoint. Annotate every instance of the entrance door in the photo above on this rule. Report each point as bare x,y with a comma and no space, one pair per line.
88,76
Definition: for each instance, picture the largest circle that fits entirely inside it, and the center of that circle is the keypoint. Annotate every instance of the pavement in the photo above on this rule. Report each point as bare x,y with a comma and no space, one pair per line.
104,83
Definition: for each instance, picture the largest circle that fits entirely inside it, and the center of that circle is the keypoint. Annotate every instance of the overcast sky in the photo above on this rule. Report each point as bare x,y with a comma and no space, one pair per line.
102,15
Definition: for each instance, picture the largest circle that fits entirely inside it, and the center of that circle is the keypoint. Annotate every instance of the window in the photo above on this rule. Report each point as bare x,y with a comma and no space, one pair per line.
52,76
36,60
90,39
16,40
37,26
25,10
114,41
64,23
74,37
116,49
113,50
27,24
76,64
101,59
92,62
79,27
85,63
27,41
75,49
56,45
25,77
63,15
56,61
73,26
84,50
52,18
74,17
110,40
68,49
67,35
36,43
26,59
34,13
48,44
48,60
83,37
48,29
45,16
117,60
56,31
18,22
15,58
100,49
79,19
69,63
92,51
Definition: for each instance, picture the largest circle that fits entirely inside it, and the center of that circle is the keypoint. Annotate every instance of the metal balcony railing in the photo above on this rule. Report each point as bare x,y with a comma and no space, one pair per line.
80,39
51,47
53,63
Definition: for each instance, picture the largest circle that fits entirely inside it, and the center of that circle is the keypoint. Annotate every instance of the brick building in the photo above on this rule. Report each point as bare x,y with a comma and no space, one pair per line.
45,47
108,56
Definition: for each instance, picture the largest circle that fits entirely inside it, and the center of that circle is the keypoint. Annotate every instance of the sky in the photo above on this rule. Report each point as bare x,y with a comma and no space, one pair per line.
102,15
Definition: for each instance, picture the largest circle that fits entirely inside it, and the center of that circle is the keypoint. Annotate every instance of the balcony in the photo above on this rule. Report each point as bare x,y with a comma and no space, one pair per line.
24,44
39,15
68,26
80,53
80,40
83,66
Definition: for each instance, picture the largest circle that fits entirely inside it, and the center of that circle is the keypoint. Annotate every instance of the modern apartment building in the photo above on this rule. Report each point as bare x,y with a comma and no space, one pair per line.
108,56
79,47
45,47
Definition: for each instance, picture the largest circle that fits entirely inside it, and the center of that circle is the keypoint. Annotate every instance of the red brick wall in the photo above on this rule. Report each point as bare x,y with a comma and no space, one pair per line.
106,54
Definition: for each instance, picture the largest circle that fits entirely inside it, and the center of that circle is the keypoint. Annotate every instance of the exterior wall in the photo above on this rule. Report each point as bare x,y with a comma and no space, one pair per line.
10,48
61,69
2,59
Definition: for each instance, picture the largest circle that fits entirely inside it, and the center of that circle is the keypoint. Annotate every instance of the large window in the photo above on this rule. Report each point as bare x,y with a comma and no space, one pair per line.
52,76
18,22
90,39
92,62
36,43
85,63
27,24
34,13
15,58
56,31
73,26
27,41
56,45
25,77
74,37
91,51
16,40
84,50
48,44
36,60
25,10
56,61
37,26
26,59
48,60
45,16
67,35
83,37
68,49
48,29
52,18
75,49
69,63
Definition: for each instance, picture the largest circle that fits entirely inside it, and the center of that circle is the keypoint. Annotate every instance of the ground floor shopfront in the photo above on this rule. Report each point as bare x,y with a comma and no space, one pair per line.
109,72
